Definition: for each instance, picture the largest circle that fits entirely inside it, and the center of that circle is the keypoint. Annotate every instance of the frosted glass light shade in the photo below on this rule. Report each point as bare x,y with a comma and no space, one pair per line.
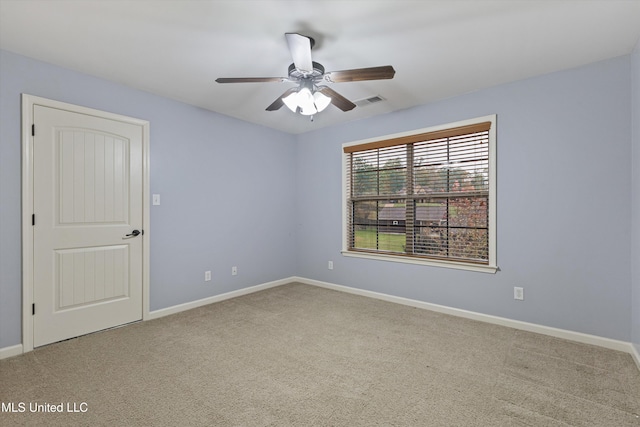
291,101
305,102
322,101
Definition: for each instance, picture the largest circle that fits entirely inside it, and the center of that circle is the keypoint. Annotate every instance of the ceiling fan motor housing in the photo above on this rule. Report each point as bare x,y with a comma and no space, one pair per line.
318,71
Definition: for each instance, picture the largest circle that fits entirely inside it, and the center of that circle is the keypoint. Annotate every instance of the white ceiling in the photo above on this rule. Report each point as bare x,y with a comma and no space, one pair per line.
439,49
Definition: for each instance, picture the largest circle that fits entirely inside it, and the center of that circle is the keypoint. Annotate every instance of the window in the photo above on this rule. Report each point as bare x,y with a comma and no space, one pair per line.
424,197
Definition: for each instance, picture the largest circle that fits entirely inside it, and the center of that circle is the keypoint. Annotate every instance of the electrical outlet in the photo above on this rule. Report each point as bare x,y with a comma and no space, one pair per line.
518,293
234,271
330,265
207,276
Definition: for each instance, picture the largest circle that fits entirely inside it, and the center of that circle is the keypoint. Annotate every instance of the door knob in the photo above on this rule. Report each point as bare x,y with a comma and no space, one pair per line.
134,233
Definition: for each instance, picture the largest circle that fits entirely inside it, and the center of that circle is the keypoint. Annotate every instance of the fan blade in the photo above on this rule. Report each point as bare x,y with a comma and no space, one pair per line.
278,102
300,48
373,73
338,100
251,79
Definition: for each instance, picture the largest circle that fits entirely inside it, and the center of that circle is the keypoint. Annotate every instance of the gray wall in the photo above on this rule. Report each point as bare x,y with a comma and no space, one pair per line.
635,234
564,209
225,189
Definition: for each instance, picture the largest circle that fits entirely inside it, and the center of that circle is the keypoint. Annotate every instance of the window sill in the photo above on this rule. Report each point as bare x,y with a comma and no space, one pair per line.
419,261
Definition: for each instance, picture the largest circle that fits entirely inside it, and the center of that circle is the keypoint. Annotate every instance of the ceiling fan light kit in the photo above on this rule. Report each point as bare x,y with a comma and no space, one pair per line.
310,98
307,100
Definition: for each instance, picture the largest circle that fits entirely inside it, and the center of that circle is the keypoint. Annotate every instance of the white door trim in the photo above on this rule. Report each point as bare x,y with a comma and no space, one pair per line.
28,103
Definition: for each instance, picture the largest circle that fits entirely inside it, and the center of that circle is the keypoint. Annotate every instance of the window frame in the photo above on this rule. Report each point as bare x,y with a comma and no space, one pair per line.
491,266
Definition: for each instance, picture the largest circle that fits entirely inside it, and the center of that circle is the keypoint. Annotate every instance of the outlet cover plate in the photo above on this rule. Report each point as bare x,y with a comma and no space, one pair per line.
518,293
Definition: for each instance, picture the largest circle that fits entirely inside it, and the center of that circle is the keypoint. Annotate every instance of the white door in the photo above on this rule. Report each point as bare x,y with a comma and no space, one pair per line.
87,202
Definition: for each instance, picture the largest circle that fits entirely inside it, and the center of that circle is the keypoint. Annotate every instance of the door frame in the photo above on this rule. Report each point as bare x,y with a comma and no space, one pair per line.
28,103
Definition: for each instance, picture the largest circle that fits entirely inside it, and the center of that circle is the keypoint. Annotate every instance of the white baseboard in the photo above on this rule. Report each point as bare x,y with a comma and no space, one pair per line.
216,298
635,353
516,324
14,350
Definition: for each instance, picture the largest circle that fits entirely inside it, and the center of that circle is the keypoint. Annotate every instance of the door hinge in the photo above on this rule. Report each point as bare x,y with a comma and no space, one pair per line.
33,309
33,219
33,130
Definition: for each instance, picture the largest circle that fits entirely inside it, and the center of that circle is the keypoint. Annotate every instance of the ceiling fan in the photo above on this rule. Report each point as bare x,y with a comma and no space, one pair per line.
311,96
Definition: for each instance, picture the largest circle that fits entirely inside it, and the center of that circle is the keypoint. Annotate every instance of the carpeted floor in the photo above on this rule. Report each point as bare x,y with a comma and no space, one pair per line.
299,355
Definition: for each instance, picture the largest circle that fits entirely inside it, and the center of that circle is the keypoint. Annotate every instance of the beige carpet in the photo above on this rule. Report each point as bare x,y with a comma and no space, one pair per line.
305,356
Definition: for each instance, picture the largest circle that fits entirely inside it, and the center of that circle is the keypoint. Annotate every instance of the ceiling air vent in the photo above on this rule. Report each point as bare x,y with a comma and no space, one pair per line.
368,101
